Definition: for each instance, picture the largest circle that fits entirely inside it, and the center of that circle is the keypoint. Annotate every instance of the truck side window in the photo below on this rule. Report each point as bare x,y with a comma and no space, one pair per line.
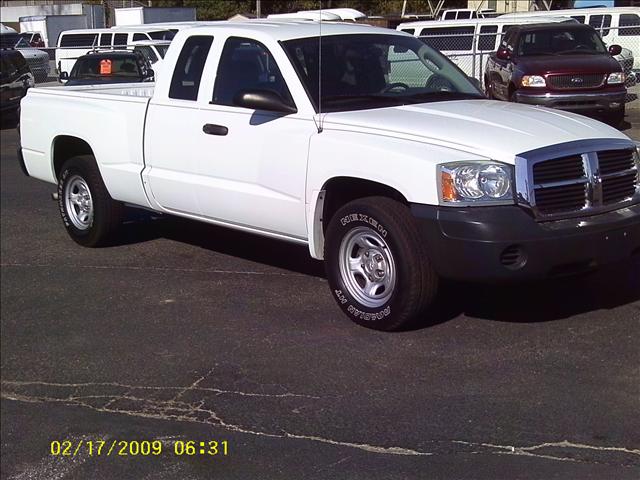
629,25
488,34
105,39
448,38
188,72
120,40
601,23
246,64
140,36
79,40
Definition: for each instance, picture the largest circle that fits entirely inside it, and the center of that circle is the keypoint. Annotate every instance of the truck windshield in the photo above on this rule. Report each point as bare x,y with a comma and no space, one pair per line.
363,71
559,42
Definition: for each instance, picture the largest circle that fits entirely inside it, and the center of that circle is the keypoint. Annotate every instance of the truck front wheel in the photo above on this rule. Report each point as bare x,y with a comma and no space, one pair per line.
88,212
376,264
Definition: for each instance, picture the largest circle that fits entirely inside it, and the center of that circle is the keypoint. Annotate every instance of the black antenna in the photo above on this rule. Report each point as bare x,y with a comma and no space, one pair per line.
319,125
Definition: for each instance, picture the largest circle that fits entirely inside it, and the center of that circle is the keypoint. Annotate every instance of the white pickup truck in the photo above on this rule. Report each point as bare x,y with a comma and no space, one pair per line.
387,161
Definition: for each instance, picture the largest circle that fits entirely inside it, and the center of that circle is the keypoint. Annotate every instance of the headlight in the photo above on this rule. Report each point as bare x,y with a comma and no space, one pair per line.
475,183
615,78
533,81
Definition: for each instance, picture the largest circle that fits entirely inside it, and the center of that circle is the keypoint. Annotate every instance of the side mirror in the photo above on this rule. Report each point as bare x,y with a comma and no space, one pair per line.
64,76
503,54
263,100
150,75
615,50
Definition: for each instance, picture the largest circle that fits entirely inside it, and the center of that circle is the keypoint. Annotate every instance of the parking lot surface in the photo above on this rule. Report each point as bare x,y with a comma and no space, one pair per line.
188,332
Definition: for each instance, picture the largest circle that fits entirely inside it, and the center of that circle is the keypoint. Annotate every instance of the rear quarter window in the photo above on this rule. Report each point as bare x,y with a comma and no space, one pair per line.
187,74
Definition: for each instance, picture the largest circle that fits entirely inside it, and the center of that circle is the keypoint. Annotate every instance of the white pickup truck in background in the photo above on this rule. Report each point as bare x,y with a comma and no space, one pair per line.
388,162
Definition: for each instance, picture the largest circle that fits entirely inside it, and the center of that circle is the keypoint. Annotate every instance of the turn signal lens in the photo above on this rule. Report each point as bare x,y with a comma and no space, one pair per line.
448,189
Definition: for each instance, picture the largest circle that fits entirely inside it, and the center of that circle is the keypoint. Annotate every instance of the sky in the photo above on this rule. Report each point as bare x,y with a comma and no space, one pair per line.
592,3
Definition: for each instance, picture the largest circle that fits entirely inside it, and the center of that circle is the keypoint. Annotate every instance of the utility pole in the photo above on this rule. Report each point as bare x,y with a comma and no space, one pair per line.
258,13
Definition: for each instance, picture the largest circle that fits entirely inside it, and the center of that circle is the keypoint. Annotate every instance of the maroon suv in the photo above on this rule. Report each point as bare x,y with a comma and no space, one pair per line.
559,65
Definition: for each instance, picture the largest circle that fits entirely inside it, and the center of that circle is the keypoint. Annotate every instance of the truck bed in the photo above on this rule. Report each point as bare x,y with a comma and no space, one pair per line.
109,118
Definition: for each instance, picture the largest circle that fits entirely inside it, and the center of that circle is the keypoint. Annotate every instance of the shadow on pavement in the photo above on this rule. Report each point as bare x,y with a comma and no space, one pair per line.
531,302
145,226
545,300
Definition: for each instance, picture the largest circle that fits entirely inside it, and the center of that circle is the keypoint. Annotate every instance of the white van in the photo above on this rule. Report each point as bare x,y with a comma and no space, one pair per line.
616,25
74,43
469,42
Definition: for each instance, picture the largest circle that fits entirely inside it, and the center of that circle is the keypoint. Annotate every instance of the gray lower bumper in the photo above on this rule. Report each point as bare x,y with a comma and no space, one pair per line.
576,102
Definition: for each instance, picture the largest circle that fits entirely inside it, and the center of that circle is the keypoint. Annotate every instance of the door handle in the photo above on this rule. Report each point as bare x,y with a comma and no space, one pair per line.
211,129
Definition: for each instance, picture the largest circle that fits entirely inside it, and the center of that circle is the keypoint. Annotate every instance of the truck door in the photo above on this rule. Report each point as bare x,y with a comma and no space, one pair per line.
253,163
209,158
172,127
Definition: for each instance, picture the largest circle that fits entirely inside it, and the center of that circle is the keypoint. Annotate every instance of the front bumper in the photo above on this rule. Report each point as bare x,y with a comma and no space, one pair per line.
504,243
595,102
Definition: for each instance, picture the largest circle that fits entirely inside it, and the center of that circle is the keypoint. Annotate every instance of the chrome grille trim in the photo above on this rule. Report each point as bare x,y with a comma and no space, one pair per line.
599,197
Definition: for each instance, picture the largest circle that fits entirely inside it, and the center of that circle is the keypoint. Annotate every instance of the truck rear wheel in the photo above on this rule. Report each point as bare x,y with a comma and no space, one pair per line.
376,264
88,212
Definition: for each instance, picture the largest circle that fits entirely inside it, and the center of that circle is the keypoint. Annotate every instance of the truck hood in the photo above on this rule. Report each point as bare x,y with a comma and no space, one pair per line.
492,129
568,64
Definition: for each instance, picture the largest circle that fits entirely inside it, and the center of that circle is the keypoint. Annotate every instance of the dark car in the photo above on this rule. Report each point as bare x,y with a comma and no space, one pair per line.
109,67
564,66
15,79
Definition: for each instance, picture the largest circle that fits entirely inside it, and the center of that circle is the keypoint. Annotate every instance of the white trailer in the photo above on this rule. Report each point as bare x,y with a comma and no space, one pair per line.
50,26
144,15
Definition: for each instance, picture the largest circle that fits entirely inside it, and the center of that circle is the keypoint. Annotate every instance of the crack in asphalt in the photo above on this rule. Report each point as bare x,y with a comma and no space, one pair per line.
217,391
156,269
176,409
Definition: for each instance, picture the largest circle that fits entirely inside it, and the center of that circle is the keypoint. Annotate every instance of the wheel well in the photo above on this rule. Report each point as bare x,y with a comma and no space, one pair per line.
65,147
341,190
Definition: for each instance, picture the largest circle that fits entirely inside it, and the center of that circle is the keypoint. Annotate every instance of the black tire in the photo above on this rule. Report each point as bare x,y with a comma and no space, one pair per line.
396,239
488,90
100,226
616,118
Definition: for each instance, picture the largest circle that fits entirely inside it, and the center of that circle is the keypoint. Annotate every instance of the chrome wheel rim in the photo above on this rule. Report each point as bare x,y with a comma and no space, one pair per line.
78,202
367,267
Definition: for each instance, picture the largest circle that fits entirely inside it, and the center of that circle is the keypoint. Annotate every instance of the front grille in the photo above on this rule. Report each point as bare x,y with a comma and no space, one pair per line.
619,188
584,183
566,198
577,81
611,161
559,169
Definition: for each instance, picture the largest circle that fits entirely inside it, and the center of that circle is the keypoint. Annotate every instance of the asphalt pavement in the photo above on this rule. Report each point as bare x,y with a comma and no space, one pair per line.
185,332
